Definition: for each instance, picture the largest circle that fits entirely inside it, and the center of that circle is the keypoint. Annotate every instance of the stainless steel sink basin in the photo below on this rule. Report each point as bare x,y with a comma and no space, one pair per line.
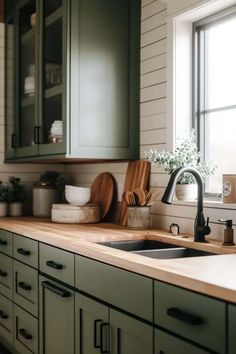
179,252
137,245
155,249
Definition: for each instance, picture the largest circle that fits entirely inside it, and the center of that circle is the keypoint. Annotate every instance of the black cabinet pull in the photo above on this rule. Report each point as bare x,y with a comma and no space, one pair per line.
23,252
54,265
3,315
13,141
118,341
36,135
3,242
55,289
3,273
95,333
185,317
103,350
24,286
25,334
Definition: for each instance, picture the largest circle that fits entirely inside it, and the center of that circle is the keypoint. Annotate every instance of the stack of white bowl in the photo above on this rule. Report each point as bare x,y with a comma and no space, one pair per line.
56,132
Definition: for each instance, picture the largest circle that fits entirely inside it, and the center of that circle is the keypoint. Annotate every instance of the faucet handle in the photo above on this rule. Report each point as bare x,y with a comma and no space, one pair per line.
207,229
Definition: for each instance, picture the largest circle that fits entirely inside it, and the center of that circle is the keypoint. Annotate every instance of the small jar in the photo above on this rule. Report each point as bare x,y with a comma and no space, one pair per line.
138,217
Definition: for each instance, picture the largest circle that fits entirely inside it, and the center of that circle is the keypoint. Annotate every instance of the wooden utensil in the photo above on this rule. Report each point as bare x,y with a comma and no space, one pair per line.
137,176
102,191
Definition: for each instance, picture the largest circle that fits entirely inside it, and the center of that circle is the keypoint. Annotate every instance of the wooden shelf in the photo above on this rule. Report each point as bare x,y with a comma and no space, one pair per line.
28,101
27,36
53,91
54,16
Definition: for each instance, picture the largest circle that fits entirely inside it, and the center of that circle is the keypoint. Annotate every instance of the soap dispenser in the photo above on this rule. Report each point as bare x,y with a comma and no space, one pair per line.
228,233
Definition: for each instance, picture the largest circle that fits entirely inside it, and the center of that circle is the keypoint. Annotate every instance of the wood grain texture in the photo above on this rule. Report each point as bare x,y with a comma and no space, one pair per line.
212,275
102,192
137,176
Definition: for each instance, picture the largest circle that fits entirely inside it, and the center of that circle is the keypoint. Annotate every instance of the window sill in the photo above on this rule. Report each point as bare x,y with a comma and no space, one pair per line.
207,204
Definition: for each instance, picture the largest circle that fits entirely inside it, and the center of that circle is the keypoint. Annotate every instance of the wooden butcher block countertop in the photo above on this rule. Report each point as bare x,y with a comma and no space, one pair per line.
210,275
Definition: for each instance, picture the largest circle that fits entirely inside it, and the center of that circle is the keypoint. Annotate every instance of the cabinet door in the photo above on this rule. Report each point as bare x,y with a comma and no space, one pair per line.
56,318
52,71
130,336
232,329
91,326
26,109
166,344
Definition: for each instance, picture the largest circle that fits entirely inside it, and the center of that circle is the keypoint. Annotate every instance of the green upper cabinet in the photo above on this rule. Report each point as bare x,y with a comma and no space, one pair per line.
72,79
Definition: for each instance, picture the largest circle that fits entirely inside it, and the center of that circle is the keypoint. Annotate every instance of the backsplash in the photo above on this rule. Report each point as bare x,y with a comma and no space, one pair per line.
153,129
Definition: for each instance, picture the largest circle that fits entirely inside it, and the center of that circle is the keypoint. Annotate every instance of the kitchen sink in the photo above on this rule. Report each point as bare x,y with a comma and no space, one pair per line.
155,249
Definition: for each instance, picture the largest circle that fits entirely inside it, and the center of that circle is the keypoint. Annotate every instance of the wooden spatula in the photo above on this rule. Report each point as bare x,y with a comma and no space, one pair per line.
137,176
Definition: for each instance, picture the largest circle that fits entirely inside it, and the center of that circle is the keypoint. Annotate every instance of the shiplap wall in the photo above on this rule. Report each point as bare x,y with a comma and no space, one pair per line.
29,173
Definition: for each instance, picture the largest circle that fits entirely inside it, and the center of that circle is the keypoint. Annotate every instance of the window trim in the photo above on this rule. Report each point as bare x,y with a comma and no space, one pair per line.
199,74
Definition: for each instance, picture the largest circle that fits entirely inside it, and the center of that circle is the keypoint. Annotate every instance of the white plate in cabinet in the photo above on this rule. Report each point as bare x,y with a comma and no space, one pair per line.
57,263
6,276
6,242
26,287
25,250
25,332
6,322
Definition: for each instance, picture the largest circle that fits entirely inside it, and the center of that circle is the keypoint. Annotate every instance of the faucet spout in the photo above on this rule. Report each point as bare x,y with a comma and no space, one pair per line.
201,228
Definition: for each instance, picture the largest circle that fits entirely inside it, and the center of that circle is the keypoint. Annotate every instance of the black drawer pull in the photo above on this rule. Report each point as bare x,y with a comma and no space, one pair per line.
95,333
103,350
3,242
23,252
55,289
118,341
25,334
3,315
24,286
3,273
54,265
185,317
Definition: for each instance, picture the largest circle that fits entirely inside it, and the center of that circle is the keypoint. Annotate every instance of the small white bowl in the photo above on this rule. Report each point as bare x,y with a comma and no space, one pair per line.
77,196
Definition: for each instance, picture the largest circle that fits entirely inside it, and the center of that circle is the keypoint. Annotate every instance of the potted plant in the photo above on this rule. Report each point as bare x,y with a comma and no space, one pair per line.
47,192
3,199
185,154
16,195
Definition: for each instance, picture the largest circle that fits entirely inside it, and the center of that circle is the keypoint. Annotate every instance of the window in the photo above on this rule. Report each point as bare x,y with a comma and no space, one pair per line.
215,93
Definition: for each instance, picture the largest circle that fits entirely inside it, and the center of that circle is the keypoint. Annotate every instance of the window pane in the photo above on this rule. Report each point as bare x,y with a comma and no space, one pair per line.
220,146
220,65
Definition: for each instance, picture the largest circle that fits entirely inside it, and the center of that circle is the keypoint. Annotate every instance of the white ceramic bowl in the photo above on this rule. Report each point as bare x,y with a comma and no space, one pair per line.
77,195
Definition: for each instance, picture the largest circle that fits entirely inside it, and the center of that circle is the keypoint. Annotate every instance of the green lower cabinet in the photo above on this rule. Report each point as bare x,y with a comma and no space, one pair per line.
129,336
91,326
232,329
56,308
167,344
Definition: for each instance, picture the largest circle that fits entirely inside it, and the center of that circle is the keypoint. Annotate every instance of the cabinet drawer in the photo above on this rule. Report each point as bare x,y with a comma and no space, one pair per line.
25,250
6,322
232,328
6,242
26,287
166,344
194,316
6,275
26,332
128,291
57,263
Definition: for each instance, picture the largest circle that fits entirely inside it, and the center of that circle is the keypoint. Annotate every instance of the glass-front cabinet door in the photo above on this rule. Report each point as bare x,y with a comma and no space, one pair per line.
26,108
52,77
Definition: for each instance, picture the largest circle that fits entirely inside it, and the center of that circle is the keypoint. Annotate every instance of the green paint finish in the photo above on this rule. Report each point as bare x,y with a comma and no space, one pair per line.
6,324
128,291
130,336
25,250
6,242
56,320
166,344
232,329
210,333
89,316
24,321
6,276
26,287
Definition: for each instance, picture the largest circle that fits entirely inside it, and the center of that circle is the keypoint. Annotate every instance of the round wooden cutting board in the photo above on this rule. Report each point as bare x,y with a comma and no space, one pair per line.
102,191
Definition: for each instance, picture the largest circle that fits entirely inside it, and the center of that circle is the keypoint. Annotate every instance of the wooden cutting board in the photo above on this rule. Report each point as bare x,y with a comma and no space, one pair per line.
137,176
102,191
